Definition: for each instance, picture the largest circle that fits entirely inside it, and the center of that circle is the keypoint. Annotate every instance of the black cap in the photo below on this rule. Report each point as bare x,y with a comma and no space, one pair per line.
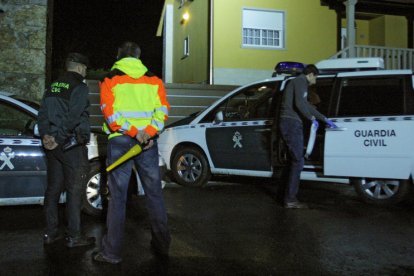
78,58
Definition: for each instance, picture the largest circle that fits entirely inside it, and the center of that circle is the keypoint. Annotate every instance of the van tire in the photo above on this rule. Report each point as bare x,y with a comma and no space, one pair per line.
381,191
190,167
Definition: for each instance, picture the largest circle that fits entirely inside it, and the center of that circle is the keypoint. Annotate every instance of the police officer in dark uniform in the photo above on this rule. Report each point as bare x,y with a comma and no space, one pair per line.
65,130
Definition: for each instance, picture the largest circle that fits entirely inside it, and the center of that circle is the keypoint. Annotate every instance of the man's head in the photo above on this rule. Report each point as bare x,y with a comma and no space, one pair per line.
129,49
311,73
78,63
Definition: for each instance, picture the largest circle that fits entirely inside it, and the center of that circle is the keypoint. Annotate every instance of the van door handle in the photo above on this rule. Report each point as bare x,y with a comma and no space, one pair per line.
336,129
263,130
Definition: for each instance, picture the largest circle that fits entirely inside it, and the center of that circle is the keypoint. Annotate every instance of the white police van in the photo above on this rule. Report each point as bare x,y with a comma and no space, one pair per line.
372,147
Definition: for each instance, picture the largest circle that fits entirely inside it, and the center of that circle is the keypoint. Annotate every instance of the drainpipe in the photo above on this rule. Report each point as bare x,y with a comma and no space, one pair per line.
350,26
211,43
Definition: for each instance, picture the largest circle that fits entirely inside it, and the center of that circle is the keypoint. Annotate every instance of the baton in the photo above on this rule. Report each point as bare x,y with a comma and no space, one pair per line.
135,150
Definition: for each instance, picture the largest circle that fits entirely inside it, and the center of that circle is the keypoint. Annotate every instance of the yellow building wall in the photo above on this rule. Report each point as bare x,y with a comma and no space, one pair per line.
193,68
376,31
389,31
310,34
395,31
362,32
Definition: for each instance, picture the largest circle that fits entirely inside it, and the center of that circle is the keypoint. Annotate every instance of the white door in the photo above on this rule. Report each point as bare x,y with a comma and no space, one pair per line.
375,128
378,147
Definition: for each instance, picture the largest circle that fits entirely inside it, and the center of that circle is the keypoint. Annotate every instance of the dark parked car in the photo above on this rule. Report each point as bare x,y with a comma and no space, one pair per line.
23,162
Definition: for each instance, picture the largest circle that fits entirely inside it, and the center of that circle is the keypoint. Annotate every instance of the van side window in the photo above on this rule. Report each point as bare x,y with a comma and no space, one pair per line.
319,95
372,96
251,103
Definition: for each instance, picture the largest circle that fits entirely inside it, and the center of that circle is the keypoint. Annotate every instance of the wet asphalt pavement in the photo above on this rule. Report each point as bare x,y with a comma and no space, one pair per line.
230,229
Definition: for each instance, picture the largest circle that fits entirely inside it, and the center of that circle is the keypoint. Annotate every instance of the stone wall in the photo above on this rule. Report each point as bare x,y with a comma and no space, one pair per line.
23,29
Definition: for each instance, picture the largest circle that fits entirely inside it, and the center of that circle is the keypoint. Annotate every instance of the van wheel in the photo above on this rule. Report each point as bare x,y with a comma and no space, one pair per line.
95,187
190,167
381,191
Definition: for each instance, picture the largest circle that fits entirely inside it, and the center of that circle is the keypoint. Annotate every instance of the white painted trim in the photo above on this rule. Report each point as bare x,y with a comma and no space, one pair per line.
239,76
168,44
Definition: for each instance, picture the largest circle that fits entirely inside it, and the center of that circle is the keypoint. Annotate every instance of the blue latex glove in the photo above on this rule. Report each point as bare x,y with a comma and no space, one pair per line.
315,123
330,124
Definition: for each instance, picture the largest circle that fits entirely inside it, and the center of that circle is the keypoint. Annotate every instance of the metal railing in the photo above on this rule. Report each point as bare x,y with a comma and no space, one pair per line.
394,58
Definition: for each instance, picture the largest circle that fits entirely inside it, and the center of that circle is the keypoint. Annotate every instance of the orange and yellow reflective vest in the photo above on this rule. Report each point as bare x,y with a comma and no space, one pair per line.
132,100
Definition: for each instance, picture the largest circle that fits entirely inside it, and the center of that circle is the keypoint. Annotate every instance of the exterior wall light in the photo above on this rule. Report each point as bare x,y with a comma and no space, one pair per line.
185,18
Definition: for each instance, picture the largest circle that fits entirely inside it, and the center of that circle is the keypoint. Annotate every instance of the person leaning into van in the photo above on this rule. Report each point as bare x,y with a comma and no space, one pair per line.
64,128
296,108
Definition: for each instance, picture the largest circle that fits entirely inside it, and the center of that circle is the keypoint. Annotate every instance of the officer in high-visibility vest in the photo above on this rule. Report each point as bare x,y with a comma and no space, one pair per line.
135,107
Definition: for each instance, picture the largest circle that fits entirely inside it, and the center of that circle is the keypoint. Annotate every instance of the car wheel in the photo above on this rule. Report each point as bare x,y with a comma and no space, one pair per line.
381,191
96,190
190,167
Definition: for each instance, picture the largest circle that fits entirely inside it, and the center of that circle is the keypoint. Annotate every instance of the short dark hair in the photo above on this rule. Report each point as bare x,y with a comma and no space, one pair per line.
77,58
309,69
129,49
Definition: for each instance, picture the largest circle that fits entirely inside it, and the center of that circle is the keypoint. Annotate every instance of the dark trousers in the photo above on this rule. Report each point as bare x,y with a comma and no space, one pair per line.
292,133
147,166
66,171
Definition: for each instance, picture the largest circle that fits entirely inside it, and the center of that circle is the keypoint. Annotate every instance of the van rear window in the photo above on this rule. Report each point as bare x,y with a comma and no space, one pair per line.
371,96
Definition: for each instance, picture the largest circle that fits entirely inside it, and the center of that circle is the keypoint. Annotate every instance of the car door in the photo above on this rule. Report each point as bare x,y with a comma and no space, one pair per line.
22,160
375,125
242,140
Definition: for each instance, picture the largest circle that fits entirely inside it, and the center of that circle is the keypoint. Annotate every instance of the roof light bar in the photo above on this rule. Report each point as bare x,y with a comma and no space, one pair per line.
288,68
350,64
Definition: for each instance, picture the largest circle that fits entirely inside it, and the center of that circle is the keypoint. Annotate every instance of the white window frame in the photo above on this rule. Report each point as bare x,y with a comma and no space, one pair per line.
265,31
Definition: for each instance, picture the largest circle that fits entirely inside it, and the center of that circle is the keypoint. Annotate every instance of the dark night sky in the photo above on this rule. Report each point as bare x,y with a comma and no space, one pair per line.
96,28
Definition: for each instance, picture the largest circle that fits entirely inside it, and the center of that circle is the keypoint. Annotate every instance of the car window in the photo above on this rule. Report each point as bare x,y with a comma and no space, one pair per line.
15,122
251,103
371,96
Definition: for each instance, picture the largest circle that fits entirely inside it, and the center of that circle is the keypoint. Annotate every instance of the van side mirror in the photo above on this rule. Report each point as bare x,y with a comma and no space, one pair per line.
218,118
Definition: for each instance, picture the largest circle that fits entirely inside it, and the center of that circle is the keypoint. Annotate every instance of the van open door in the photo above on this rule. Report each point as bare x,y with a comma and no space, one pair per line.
369,147
374,137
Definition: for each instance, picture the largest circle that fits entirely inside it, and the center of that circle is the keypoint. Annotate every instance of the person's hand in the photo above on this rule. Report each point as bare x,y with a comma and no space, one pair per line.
49,142
148,145
330,124
315,123
143,137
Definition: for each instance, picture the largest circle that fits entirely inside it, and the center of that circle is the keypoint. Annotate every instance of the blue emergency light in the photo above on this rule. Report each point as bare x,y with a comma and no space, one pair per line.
288,68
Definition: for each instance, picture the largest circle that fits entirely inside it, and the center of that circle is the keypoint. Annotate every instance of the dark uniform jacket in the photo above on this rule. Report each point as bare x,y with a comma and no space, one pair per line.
294,102
64,109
